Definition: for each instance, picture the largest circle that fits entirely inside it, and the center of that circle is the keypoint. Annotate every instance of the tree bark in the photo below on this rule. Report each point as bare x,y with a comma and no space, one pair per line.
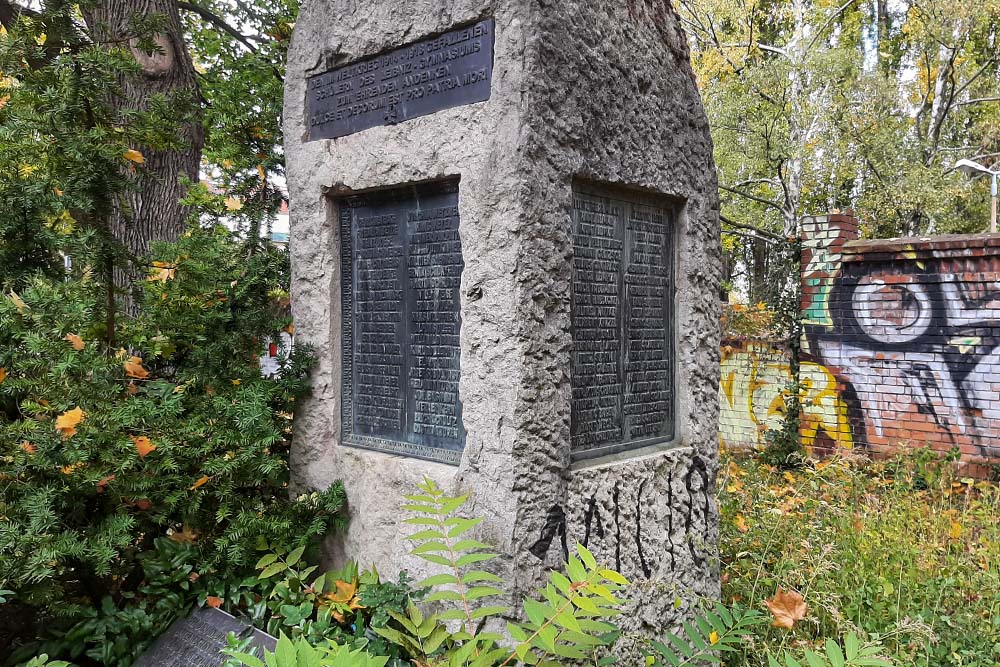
151,210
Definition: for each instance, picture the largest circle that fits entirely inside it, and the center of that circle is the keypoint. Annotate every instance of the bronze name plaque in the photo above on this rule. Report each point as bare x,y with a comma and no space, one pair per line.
436,73
401,273
622,319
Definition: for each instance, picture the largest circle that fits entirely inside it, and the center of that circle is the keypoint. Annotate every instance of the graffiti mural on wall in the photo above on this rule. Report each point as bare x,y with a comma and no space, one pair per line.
917,337
900,346
754,385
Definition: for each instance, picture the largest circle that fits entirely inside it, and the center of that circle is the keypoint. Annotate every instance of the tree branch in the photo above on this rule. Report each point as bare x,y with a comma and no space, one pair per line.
218,22
819,33
978,100
756,232
760,200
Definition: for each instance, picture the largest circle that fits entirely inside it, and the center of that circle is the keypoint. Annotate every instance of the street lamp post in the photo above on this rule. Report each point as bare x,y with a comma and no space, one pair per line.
974,169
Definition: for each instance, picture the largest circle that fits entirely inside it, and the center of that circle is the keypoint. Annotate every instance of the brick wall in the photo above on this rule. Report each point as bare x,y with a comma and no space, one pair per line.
900,347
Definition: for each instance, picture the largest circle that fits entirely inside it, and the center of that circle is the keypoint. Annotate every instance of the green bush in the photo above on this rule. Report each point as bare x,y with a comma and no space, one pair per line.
899,550
161,428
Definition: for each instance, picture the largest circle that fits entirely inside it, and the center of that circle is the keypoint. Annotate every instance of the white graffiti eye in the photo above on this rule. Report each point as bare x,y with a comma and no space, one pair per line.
892,313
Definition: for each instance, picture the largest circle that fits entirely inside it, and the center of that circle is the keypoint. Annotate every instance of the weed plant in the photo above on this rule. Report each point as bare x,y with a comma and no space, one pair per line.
902,550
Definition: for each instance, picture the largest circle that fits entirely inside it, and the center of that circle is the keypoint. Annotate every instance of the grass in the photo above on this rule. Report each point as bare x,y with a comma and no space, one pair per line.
900,551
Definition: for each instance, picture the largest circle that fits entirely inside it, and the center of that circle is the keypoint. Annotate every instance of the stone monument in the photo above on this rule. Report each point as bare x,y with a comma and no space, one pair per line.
505,246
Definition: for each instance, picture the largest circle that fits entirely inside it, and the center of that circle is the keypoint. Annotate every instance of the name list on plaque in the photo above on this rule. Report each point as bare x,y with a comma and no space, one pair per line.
622,319
437,73
401,270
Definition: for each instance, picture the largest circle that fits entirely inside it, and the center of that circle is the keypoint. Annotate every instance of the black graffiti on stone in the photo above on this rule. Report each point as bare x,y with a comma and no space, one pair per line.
588,519
638,530
555,524
694,516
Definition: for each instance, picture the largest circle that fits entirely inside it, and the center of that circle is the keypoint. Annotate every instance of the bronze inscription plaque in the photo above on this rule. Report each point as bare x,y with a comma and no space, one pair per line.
401,271
622,319
449,70
197,641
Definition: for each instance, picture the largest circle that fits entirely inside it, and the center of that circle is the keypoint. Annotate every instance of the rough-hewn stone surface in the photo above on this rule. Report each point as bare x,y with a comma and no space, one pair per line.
587,89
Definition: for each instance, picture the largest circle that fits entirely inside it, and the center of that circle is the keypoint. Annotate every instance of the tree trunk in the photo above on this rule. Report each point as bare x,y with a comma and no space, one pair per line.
151,210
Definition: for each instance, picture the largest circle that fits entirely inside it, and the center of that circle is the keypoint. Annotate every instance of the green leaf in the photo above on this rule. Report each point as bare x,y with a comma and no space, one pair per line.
813,660
477,576
614,577
265,560
469,559
516,632
437,559
469,545
294,557
477,592
284,651
834,654
460,525
437,580
586,604
244,658
575,570
561,582
587,557
537,612
272,570
445,594
436,639
493,610
567,620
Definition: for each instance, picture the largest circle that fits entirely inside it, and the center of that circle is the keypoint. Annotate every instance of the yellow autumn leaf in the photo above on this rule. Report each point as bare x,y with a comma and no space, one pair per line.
143,445
67,422
72,468
26,170
233,204
955,531
135,156
28,447
741,523
18,302
162,274
133,368
75,341
202,481
40,39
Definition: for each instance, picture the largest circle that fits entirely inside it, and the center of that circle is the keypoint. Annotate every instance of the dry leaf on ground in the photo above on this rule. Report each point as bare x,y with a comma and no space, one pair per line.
788,607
